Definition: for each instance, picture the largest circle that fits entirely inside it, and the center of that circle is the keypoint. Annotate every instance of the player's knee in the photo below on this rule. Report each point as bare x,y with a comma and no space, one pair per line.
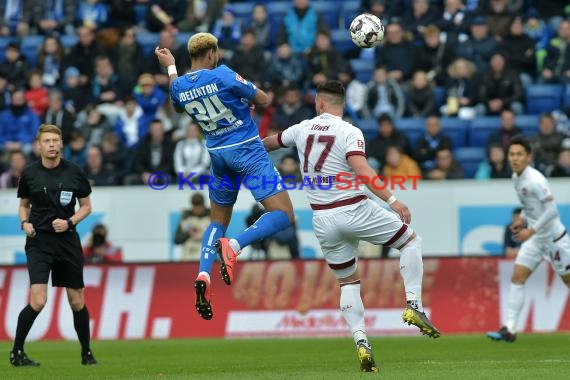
345,272
38,302
76,304
415,242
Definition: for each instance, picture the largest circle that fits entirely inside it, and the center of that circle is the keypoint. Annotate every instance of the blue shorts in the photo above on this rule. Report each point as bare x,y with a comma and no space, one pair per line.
246,166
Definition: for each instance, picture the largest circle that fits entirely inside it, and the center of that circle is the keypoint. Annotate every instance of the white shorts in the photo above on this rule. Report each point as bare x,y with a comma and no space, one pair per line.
340,230
533,251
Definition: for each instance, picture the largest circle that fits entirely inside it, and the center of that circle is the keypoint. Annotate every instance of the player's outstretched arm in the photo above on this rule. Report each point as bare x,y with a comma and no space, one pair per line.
271,143
360,166
260,98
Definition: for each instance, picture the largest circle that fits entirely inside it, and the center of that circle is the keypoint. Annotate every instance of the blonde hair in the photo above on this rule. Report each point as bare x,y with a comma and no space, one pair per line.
48,128
201,43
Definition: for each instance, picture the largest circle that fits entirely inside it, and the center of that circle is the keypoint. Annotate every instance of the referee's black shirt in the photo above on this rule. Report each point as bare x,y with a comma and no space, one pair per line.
52,192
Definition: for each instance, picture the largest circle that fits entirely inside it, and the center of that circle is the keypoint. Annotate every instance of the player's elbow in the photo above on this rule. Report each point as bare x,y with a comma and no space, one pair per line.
261,99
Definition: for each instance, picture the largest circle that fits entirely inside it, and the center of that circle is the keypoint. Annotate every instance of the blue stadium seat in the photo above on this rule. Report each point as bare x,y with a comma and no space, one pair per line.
350,9
328,12
440,97
456,129
413,127
243,11
363,69
341,40
481,128
67,41
543,98
276,11
182,38
566,97
30,48
148,41
469,159
369,127
528,123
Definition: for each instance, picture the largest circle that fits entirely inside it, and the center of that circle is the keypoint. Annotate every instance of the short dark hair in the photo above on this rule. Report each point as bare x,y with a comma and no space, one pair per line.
385,117
521,140
332,87
517,210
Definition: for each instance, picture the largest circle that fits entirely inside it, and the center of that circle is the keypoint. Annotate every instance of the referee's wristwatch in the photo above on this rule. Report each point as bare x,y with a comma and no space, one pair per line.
22,223
70,225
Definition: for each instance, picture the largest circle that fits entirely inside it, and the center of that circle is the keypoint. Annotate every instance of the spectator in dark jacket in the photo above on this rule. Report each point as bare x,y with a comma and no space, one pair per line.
248,59
48,17
286,68
82,54
434,55
388,135
419,17
15,67
420,97
396,54
507,130
291,111
432,140
153,154
520,52
500,89
324,60
480,46
57,115
547,143
557,60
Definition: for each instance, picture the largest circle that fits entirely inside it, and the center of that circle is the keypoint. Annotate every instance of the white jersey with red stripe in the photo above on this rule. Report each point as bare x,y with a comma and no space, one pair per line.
324,143
533,190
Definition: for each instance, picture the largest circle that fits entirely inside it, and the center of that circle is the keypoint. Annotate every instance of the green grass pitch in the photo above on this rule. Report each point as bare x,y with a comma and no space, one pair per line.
533,356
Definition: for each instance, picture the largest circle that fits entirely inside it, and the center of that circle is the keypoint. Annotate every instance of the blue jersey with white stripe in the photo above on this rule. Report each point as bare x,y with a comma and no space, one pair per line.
217,100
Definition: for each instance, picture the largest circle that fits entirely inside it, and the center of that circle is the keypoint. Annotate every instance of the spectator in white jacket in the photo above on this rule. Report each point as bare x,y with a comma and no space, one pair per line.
191,155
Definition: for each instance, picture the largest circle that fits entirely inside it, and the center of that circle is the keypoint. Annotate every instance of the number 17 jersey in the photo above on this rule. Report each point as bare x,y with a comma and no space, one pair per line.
324,144
217,100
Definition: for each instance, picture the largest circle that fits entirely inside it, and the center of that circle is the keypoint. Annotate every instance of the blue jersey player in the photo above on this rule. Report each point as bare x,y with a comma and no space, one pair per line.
219,100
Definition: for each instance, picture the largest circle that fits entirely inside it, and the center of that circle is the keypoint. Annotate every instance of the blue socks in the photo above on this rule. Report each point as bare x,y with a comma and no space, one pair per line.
208,255
267,225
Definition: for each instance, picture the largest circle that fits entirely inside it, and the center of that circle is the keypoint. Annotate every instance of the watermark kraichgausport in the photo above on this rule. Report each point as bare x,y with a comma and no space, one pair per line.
340,181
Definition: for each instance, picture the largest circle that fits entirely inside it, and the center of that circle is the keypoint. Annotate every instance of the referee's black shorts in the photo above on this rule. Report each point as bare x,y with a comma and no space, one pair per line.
59,253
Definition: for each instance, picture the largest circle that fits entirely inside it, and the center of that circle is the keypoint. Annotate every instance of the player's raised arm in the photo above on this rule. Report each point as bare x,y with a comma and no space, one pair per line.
360,166
166,59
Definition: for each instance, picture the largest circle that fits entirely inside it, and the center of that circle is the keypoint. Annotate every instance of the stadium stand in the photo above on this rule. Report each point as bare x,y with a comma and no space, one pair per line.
481,128
469,159
543,98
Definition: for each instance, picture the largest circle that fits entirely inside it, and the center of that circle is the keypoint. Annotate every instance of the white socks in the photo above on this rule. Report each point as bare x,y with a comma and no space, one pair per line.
235,246
516,302
352,310
412,271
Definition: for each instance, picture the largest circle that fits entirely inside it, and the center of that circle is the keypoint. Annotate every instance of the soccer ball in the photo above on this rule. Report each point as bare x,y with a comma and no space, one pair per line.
366,30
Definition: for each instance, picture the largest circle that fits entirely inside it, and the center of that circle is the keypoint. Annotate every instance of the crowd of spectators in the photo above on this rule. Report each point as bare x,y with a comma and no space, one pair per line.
109,95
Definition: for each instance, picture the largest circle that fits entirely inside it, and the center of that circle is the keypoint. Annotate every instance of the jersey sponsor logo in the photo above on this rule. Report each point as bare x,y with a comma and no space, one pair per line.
239,78
360,143
65,197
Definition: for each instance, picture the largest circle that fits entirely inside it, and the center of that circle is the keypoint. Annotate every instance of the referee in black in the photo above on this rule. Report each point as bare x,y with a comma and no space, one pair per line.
48,190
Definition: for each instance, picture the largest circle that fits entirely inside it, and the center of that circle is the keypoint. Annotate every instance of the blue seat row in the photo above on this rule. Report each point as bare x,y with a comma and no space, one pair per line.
463,133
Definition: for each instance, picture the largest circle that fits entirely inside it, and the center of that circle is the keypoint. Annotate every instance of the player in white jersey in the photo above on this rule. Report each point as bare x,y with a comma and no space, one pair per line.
333,160
540,230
